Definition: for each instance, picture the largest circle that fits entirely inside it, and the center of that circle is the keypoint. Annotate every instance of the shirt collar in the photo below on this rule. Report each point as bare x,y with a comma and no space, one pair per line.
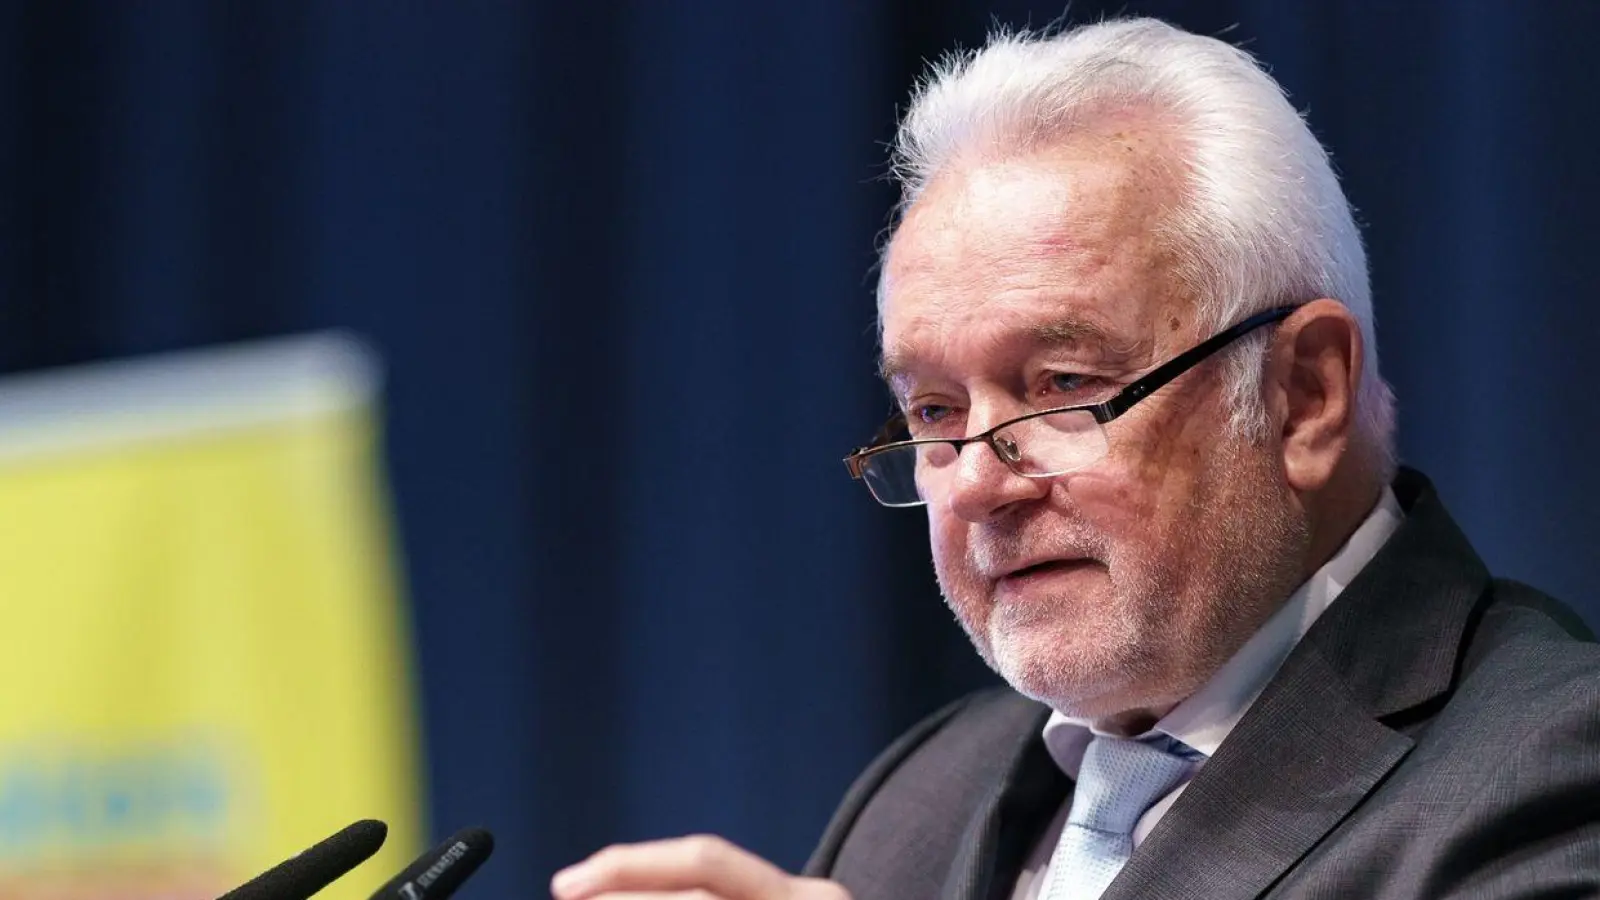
1205,718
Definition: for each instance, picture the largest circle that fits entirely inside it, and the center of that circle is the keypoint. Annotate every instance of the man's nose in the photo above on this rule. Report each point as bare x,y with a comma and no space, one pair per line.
982,485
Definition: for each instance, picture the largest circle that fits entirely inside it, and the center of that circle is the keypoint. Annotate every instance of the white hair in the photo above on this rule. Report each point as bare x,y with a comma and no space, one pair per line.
1262,221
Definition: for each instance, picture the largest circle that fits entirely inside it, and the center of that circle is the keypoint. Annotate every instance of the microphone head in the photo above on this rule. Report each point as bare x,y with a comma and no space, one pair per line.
436,874
298,877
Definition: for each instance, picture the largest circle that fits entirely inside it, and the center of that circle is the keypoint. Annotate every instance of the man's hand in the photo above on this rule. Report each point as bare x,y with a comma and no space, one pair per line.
702,867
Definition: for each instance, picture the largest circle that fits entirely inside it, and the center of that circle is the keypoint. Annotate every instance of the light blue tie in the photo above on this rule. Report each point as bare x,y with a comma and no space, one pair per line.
1119,780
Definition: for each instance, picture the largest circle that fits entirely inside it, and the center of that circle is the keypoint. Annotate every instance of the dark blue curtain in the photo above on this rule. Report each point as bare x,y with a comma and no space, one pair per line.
617,257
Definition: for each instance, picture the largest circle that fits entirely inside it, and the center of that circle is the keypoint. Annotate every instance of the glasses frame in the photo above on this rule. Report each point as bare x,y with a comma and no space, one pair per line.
1103,412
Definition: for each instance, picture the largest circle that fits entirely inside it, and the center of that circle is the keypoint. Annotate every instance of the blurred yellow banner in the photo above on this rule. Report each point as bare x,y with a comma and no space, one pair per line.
203,666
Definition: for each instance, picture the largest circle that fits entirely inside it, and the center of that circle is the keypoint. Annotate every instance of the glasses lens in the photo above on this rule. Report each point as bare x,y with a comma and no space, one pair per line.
1054,444
907,476
1040,447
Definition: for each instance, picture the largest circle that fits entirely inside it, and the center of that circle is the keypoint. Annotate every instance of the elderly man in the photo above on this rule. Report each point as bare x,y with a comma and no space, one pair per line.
1126,318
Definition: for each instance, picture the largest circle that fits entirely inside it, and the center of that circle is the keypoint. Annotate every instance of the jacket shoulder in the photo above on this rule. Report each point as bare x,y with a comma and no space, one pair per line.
1528,662
1525,638
1529,607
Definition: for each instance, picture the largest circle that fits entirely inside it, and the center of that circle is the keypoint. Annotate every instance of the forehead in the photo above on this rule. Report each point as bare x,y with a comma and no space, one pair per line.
1067,240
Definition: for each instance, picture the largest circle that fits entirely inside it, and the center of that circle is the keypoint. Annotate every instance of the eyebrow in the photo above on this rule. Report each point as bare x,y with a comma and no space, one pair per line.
1072,331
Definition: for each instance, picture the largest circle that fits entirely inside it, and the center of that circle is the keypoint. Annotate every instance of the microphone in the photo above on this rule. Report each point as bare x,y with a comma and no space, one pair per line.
298,877
436,874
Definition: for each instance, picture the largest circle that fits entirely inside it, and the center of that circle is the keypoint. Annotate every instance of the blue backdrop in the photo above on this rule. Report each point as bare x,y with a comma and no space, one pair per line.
617,258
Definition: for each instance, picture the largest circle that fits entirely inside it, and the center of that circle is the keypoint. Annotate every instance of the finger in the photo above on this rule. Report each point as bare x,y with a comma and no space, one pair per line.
658,895
702,862
816,889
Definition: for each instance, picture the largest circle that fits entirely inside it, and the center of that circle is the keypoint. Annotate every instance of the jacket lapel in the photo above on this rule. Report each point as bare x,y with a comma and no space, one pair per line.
1316,742
1281,781
1001,831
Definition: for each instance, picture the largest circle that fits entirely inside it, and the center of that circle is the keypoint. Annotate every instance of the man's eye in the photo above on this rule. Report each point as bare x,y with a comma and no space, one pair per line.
1069,382
930,414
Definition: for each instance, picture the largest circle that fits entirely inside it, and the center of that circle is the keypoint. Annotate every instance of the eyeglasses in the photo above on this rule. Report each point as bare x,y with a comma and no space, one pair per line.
1041,444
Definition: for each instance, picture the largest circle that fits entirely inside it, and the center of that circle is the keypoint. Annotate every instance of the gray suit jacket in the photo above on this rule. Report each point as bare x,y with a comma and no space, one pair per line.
1436,734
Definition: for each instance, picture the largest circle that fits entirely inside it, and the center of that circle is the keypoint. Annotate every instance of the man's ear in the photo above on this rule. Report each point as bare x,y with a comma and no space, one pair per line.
1313,376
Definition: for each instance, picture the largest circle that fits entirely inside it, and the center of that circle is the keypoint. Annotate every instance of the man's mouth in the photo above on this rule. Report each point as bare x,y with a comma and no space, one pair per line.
1046,567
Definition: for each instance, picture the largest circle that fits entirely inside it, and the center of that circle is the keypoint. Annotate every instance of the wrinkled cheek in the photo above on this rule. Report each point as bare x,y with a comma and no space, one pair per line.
1111,503
953,567
946,533
949,551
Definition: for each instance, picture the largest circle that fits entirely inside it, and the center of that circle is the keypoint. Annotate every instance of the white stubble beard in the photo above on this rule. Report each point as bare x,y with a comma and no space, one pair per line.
1140,657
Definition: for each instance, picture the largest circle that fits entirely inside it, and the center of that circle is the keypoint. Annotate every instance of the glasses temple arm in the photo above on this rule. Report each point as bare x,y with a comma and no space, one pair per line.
1188,359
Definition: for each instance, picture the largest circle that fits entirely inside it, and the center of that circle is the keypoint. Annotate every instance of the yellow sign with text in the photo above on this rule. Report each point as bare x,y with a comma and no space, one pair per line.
203,659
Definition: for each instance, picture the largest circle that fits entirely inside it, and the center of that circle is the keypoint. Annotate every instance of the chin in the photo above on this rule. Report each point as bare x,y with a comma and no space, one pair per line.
1091,671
